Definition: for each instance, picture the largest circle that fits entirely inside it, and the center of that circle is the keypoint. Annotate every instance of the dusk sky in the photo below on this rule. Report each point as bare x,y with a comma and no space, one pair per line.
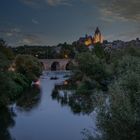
49,22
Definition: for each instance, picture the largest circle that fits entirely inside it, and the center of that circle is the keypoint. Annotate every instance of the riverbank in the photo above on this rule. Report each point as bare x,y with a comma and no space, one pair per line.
16,74
48,118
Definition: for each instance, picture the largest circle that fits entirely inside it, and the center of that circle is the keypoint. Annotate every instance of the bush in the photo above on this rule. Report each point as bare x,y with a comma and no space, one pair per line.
29,66
121,119
94,69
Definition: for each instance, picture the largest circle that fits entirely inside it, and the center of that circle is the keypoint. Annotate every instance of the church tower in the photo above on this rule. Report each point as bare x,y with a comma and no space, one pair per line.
98,38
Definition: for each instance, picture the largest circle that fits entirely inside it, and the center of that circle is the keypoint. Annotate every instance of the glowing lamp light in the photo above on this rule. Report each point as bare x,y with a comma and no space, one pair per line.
65,82
37,83
66,56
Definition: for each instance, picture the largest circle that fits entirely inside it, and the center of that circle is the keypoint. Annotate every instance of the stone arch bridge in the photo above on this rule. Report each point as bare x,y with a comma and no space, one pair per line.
56,64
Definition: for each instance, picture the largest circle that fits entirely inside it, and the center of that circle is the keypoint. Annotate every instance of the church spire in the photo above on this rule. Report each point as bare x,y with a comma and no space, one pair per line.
98,36
97,31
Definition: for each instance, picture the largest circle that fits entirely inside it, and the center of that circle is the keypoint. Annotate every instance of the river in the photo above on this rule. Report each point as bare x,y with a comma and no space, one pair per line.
50,117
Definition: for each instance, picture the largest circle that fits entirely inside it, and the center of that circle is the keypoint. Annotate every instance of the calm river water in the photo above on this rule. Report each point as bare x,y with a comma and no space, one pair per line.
47,116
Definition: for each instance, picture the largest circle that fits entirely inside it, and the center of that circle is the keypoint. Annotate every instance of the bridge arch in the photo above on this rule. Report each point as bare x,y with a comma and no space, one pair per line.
55,66
69,65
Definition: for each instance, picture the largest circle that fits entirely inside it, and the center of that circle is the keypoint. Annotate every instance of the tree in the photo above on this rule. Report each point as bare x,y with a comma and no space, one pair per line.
13,83
99,50
93,69
29,66
119,119
6,50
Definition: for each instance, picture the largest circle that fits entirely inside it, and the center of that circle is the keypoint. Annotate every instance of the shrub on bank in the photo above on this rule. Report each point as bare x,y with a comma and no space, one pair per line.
13,83
29,66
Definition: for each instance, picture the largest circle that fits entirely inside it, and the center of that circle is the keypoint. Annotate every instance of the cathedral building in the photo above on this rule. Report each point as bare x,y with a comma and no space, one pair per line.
90,41
98,38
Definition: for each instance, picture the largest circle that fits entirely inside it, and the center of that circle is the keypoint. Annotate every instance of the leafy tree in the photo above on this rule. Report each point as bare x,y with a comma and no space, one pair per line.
66,51
29,66
12,84
80,48
99,50
4,62
93,69
6,50
119,119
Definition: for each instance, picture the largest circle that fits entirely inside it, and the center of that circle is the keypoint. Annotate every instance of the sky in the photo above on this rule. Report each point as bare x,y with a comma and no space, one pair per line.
50,22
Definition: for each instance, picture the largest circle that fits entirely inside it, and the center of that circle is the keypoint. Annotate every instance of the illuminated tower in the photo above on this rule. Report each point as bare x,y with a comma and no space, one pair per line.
88,40
98,38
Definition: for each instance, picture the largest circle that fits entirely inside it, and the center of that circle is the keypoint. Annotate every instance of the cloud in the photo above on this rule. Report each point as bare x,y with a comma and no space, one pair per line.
30,39
58,2
129,34
120,9
32,3
10,32
124,35
107,19
35,21
17,37
38,3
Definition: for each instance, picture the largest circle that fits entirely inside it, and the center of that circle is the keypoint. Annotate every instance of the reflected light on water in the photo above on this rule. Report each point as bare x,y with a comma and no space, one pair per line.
37,83
66,82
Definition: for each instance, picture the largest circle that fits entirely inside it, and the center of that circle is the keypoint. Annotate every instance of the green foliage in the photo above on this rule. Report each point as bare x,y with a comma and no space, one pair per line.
6,55
121,119
128,63
12,84
132,50
93,69
99,50
66,51
20,79
4,62
29,66
117,54
81,48
6,50
118,118
47,52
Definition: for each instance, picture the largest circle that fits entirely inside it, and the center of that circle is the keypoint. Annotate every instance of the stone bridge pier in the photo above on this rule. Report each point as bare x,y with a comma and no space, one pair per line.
56,64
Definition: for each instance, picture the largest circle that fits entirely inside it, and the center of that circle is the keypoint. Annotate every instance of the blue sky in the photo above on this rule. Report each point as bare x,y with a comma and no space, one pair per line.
49,22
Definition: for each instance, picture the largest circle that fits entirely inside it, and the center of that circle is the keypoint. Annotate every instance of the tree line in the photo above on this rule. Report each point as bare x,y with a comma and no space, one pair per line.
60,51
16,73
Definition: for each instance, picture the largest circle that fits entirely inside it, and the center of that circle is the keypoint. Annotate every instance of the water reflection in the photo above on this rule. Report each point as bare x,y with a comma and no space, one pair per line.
46,115
29,100
6,121
78,102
